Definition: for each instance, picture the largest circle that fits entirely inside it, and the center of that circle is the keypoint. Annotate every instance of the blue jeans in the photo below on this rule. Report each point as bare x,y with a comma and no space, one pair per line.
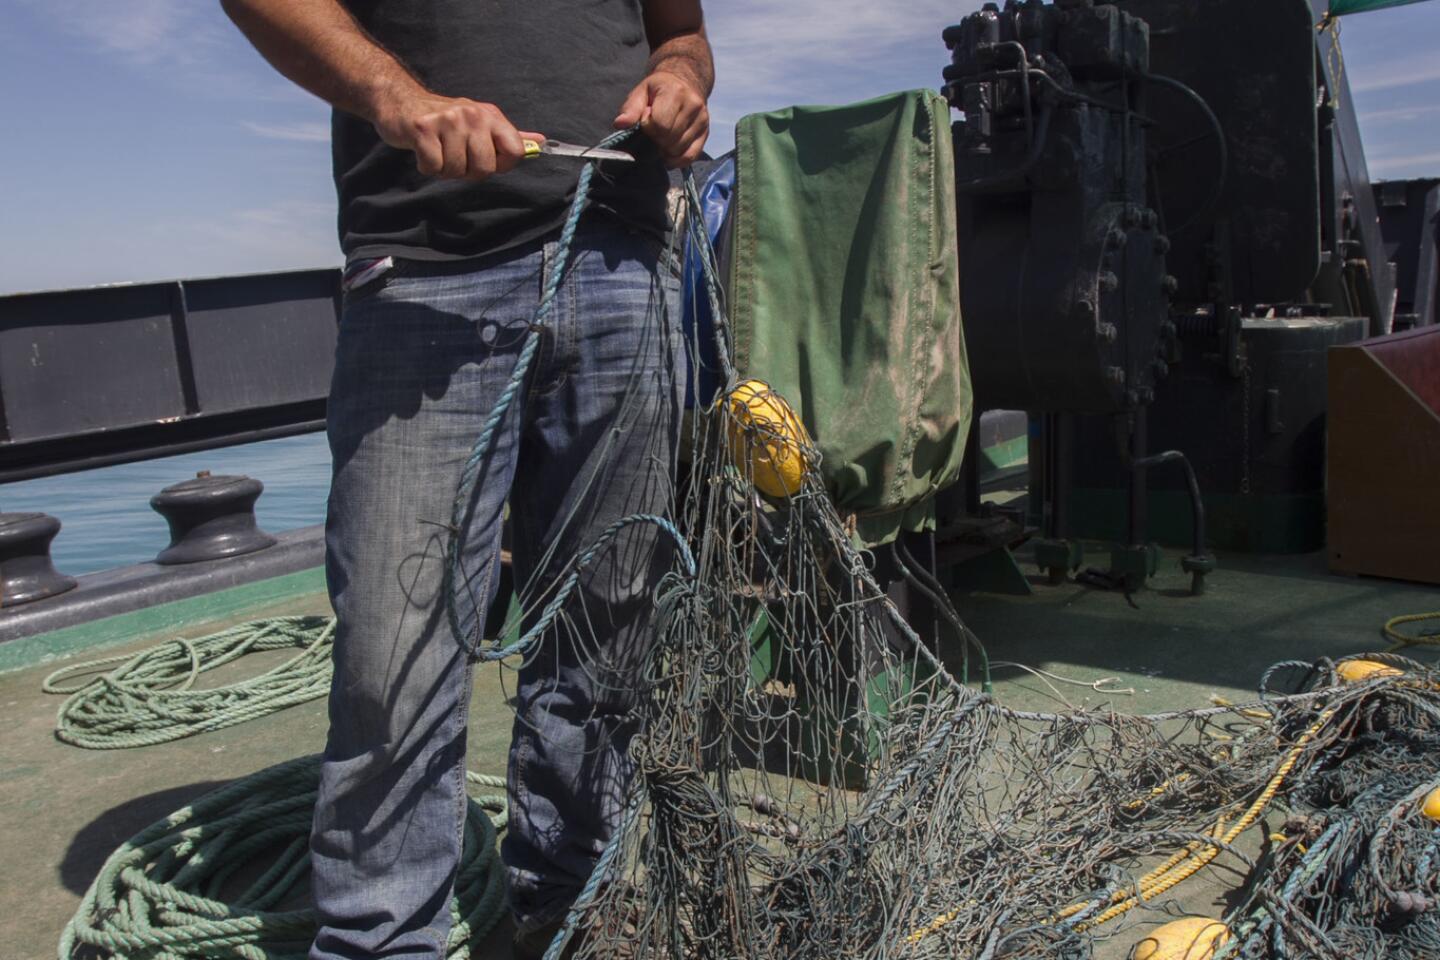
423,354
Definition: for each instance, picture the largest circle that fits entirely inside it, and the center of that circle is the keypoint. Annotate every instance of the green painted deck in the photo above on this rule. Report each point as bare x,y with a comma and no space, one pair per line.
63,809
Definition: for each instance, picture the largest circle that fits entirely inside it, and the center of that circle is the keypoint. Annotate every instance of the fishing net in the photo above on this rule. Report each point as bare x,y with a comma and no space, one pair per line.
813,778
1354,871
814,782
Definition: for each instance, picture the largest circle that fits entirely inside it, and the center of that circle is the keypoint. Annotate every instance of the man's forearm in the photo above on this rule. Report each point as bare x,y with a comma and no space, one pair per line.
687,54
676,31
318,45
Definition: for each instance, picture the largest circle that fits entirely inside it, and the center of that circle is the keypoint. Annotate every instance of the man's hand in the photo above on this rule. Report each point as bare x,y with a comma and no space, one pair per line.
452,137
670,108
669,104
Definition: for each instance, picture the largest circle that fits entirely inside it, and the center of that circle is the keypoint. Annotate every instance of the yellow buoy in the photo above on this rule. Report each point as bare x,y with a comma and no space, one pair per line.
767,440
1356,671
1191,938
1431,805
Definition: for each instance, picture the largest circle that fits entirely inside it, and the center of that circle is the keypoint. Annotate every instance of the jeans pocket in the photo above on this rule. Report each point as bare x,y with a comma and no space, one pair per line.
366,278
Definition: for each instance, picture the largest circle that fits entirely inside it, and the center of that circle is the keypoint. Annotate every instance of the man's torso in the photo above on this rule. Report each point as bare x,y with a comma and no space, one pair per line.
559,67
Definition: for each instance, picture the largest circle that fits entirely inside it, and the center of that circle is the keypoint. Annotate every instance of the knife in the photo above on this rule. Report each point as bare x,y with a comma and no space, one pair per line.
558,148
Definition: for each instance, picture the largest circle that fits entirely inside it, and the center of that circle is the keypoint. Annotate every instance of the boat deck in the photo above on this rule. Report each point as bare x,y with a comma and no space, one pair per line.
64,809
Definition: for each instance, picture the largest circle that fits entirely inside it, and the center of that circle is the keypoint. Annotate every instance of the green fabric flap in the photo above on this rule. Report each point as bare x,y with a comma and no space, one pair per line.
845,295
1338,8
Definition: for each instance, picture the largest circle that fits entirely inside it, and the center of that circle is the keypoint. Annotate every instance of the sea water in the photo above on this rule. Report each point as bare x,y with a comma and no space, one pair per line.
105,515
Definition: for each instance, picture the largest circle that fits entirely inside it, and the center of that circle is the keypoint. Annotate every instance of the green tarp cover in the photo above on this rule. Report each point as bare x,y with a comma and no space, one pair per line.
845,295
1341,7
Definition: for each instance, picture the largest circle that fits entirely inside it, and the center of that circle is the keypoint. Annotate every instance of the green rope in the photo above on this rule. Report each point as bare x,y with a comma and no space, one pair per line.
160,894
150,697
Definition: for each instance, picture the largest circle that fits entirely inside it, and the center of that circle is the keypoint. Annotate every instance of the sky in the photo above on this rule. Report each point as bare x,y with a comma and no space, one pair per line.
145,140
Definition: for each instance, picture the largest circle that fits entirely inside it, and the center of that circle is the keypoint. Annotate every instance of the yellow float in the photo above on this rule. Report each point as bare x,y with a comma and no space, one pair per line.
767,440
1358,671
1190,938
1430,806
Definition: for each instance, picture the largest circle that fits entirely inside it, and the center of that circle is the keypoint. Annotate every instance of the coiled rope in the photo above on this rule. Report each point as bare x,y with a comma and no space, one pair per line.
1400,639
150,697
215,878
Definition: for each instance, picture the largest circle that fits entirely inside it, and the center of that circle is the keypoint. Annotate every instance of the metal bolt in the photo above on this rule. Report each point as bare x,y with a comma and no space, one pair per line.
1162,244
1151,219
1147,395
1084,310
1169,284
1160,368
1116,237
1109,282
1107,332
1115,374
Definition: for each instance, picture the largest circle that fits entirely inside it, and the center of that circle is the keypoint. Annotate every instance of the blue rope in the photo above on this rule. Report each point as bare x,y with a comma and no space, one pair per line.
480,452
597,878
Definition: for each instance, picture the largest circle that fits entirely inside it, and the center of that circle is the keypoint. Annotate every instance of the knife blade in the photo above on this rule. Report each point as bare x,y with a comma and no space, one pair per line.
559,148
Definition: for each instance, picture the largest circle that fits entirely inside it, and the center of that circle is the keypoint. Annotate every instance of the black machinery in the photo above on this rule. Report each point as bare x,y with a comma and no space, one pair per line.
1164,221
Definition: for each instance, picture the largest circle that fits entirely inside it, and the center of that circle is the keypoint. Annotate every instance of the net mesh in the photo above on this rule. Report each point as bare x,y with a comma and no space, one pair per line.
813,782
813,779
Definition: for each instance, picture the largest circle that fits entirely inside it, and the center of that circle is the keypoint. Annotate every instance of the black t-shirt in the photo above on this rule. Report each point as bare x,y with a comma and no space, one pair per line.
559,67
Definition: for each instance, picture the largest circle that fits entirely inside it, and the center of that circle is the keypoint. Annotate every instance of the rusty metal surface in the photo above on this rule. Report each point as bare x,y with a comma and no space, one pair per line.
1413,358
1383,454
